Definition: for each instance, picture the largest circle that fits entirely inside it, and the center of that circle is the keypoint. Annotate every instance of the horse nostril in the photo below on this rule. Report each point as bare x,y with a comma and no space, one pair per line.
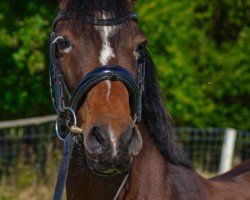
95,141
96,132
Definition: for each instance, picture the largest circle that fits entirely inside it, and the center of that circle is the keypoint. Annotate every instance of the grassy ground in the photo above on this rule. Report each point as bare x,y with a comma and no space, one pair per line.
32,192
29,181
27,190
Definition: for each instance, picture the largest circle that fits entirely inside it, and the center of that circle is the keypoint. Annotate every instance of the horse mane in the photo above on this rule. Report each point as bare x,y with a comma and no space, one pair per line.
158,121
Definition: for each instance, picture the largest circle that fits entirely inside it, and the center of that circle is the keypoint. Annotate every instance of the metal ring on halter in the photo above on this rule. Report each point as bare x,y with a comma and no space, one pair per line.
135,118
72,120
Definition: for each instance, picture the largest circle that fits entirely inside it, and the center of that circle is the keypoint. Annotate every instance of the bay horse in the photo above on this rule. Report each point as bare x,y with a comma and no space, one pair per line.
104,88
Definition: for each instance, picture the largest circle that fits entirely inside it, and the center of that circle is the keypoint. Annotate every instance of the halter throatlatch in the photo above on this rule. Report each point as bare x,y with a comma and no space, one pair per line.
67,103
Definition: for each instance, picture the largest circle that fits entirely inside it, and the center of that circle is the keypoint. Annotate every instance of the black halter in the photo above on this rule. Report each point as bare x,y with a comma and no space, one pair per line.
65,101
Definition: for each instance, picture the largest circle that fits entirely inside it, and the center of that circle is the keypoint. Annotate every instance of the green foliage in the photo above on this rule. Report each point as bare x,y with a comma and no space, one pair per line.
201,50
27,177
23,58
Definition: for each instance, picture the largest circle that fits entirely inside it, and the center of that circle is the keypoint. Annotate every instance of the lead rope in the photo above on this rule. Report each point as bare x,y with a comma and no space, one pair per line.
63,170
121,187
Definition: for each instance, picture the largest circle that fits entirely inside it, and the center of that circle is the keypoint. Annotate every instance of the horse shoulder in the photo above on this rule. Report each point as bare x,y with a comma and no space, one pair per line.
233,184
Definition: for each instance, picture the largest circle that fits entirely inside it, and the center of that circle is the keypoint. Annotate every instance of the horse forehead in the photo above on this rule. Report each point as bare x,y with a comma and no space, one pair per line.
106,33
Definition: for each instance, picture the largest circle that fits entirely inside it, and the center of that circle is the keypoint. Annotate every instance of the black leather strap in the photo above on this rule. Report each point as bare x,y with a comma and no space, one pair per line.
59,91
55,83
108,72
97,22
63,170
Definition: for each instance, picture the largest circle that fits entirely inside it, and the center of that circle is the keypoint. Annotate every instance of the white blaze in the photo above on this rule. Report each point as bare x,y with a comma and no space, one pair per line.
113,140
108,89
107,52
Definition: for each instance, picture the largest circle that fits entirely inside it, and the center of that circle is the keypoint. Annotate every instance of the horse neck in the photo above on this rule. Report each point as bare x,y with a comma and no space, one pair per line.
153,177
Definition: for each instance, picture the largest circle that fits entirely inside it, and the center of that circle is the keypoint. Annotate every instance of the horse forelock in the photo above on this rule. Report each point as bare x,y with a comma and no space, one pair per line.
79,10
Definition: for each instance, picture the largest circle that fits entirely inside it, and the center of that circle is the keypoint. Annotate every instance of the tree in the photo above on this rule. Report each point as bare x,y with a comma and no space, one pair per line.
24,35
201,50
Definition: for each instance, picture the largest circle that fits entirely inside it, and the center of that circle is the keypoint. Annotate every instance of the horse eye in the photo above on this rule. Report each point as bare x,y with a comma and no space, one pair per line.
63,44
141,47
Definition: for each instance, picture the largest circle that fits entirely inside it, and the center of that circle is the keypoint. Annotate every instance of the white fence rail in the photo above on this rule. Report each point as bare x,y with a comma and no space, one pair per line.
227,153
212,150
27,122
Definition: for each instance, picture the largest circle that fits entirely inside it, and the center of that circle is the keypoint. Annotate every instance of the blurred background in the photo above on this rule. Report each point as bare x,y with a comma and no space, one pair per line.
202,53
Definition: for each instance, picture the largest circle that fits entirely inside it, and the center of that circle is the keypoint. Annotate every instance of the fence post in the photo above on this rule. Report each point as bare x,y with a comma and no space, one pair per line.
227,152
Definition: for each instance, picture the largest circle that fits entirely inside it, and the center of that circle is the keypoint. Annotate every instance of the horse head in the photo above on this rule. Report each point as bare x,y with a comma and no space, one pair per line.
97,70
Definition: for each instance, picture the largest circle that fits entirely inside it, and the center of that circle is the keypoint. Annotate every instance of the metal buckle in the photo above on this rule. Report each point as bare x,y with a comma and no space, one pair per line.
70,119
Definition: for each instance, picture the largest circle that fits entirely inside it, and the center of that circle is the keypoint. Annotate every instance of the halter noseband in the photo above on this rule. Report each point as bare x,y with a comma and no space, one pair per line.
67,103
